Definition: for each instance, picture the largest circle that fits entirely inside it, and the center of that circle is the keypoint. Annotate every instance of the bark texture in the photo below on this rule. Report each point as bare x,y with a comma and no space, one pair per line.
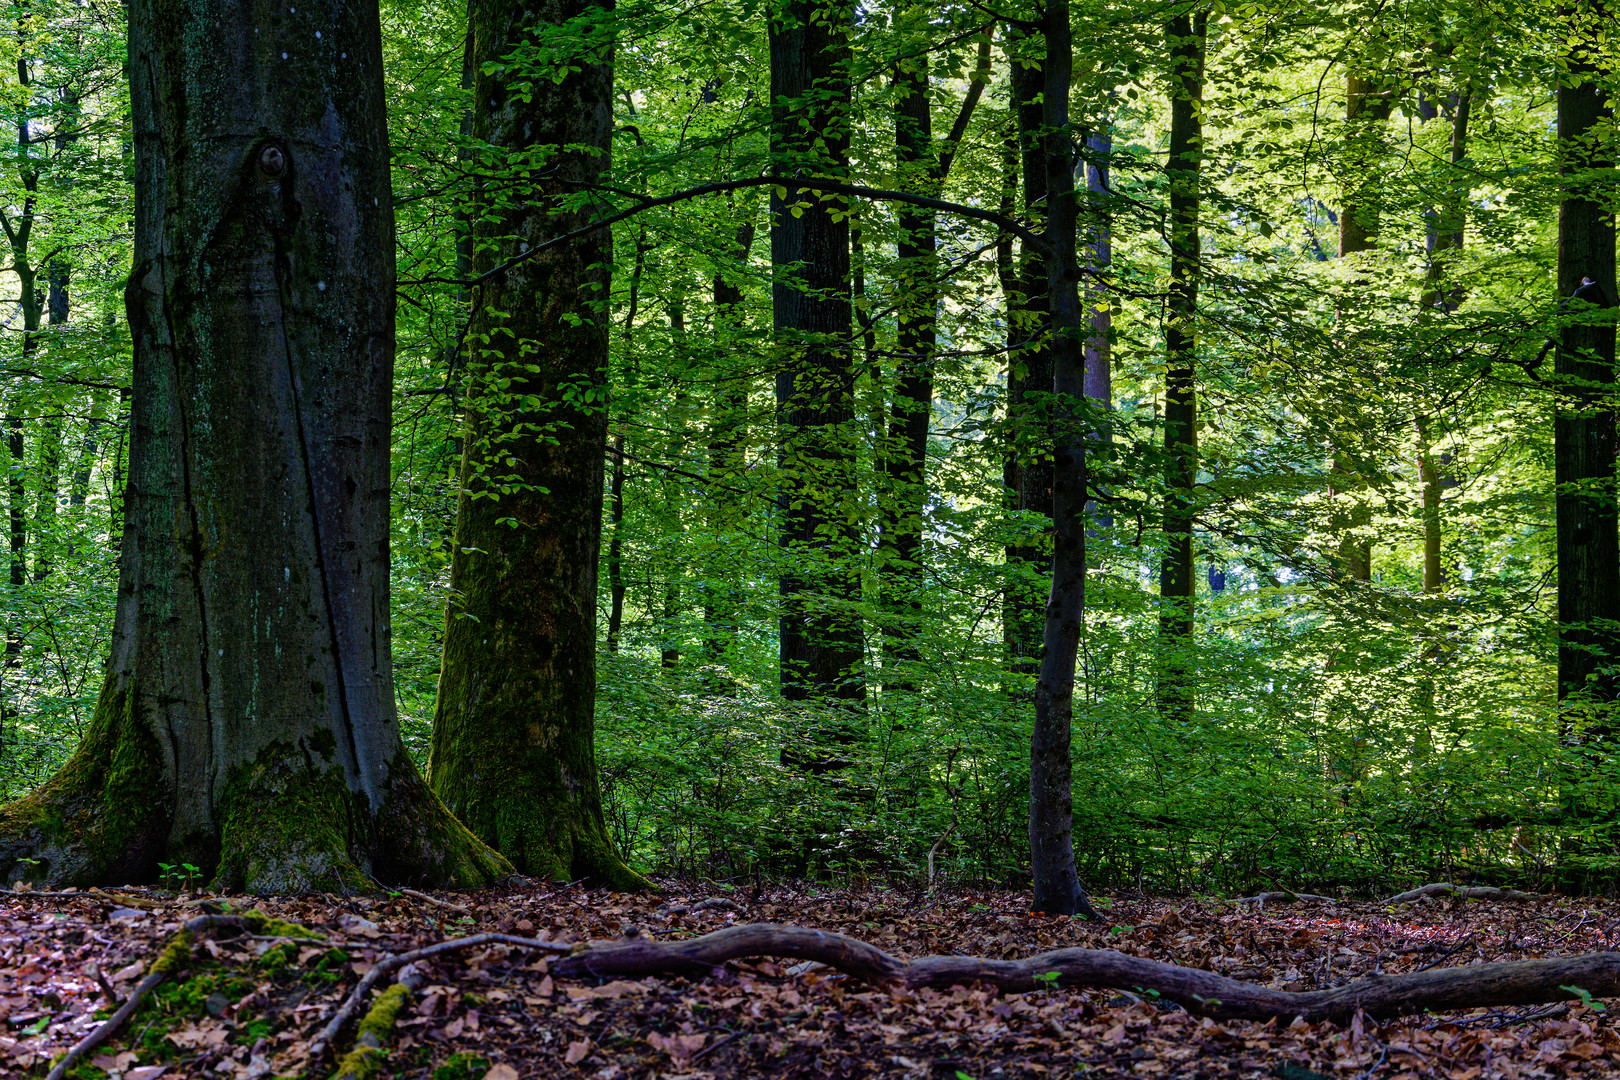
1584,436
247,723
822,640
513,750
1519,982
1028,470
1051,806
1178,586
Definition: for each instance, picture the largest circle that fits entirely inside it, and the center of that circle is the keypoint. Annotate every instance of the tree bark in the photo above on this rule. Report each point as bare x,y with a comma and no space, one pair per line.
1057,888
1028,470
513,752
822,645
728,441
247,720
1186,32
1584,436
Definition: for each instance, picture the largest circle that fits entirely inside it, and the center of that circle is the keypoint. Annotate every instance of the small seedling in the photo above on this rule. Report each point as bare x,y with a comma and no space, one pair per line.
1586,998
1049,979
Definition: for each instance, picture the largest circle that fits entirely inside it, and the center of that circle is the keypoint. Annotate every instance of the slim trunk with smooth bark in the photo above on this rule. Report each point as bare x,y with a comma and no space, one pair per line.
728,441
1057,888
822,643
513,751
1028,472
1177,586
247,721
1584,438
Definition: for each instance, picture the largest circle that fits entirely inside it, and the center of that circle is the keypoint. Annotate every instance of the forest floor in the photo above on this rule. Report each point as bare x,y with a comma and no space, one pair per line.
248,1006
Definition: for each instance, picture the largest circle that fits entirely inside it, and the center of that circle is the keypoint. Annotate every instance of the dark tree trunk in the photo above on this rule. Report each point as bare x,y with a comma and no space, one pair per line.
1028,474
247,720
905,451
1051,809
513,751
1100,306
1177,585
821,638
1584,423
50,455
728,440
615,559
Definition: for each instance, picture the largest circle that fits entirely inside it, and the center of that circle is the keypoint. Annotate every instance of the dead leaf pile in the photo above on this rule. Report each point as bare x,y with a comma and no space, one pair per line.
249,1006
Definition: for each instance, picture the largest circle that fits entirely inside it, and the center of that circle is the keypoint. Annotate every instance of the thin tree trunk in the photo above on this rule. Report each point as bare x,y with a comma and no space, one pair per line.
247,720
1100,305
1057,888
1584,436
1366,109
821,637
1186,32
513,752
728,440
1029,382
89,447
615,559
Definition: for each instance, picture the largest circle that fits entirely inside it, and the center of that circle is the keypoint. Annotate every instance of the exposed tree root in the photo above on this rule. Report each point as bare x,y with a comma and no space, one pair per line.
378,1026
1466,892
390,964
1522,982
175,956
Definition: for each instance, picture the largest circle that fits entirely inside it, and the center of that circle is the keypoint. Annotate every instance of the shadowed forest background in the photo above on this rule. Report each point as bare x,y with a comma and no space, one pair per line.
1321,626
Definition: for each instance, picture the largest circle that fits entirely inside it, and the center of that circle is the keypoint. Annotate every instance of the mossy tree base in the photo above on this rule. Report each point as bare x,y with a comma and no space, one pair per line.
286,823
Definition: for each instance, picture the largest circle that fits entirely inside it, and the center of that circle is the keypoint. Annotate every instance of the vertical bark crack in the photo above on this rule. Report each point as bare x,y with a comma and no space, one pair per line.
194,542
283,298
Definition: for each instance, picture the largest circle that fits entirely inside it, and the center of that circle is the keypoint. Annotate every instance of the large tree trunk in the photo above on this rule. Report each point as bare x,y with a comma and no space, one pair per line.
1028,472
1584,423
247,720
822,646
1057,888
1177,585
513,751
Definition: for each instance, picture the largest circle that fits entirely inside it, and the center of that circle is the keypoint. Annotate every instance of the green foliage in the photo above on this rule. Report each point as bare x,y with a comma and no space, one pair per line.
462,1066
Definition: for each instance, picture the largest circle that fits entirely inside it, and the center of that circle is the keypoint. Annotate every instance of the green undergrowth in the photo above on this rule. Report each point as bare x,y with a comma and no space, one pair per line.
462,1066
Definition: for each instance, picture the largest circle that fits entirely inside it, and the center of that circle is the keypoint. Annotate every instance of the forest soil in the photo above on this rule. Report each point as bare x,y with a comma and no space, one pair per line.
248,1007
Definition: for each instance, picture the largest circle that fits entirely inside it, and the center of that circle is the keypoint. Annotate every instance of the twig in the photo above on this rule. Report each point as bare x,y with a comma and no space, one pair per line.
168,962
944,836
433,900
389,964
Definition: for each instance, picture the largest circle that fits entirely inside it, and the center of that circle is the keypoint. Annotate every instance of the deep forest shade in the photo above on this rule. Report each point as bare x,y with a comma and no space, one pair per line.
1348,724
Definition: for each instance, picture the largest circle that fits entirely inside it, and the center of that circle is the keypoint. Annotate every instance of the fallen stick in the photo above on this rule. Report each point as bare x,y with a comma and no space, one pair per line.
457,908
1260,899
176,954
389,964
1522,982
1466,892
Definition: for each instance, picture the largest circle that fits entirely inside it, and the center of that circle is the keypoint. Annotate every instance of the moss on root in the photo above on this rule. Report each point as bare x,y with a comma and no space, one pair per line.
421,841
372,1038
97,819
269,926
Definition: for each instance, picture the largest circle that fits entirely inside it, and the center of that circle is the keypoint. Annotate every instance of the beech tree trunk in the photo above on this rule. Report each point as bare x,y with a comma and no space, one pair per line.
1051,808
728,441
1584,435
822,642
247,721
1028,471
513,751
1186,32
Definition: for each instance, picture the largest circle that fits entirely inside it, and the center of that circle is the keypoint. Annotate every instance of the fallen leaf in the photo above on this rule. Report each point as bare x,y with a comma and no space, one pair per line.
503,1071
577,1051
